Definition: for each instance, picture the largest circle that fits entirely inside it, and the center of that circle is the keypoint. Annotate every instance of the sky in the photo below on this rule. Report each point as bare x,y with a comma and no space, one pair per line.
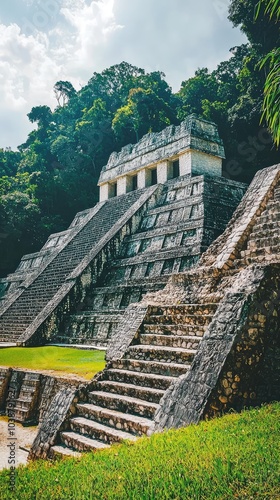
44,41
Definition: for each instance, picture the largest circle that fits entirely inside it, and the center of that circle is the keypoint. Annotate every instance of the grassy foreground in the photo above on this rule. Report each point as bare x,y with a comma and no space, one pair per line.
234,457
59,359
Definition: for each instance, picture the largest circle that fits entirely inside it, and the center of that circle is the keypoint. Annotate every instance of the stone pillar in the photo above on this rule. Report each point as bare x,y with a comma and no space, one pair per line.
163,171
185,163
121,185
104,192
142,179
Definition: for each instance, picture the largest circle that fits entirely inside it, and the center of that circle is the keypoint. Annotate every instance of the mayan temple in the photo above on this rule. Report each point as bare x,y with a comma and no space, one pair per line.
162,202
176,273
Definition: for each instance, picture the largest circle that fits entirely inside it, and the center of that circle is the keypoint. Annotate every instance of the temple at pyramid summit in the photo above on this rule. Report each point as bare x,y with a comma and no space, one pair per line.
162,203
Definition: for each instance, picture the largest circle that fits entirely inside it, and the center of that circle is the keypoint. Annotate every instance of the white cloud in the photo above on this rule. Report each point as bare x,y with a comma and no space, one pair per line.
27,77
43,41
93,24
26,66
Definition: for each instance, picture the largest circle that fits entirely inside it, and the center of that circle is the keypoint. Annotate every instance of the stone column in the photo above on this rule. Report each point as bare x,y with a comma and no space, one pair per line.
142,179
163,171
104,192
122,185
185,163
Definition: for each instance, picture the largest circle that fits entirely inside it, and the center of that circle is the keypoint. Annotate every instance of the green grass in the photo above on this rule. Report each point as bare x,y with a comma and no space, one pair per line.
59,359
234,457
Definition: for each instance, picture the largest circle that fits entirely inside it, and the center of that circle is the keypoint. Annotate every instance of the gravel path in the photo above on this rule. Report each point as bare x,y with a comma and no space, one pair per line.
24,438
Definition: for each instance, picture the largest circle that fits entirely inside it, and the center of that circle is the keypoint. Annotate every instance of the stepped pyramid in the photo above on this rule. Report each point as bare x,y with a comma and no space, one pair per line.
162,203
207,343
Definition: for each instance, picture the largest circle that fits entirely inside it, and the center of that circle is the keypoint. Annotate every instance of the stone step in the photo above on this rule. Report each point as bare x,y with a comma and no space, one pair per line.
265,230
189,201
265,251
192,319
121,421
125,404
265,258
195,308
138,392
99,431
63,451
19,409
268,241
273,204
160,353
24,402
168,228
187,342
81,443
180,329
8,338
160,255
139,379
269,216
168,369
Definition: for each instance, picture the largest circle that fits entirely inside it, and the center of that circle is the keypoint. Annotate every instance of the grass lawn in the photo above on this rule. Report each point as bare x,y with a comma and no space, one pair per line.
234,457
59,359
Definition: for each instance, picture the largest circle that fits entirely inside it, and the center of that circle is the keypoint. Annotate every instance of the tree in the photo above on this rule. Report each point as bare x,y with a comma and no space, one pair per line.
194,90
64,91
271,103
41,115
144,112
9,162
260,29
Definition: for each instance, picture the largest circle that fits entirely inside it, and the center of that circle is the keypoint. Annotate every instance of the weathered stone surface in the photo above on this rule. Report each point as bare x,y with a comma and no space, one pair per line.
30,392
193,134
67,277
5,376
127,330
207,342
52,423
226,249
189,213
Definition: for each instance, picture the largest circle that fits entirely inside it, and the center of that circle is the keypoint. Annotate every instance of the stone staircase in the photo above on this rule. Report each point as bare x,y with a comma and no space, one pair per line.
24,309
170,239
26,402
263,244
124,398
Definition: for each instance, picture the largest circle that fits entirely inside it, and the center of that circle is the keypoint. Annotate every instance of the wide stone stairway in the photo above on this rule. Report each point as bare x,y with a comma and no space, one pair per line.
125,397
22,311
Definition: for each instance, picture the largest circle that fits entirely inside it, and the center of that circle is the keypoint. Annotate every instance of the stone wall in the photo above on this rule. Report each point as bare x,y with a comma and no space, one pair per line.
195,144
29,393
227,371
227,248
56,417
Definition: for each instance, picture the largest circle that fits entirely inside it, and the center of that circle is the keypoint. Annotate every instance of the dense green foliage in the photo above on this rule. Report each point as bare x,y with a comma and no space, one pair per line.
234,457
271,103
54,174
57,359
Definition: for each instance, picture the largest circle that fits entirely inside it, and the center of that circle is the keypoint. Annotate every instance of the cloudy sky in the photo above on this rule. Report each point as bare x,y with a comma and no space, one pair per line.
43,41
